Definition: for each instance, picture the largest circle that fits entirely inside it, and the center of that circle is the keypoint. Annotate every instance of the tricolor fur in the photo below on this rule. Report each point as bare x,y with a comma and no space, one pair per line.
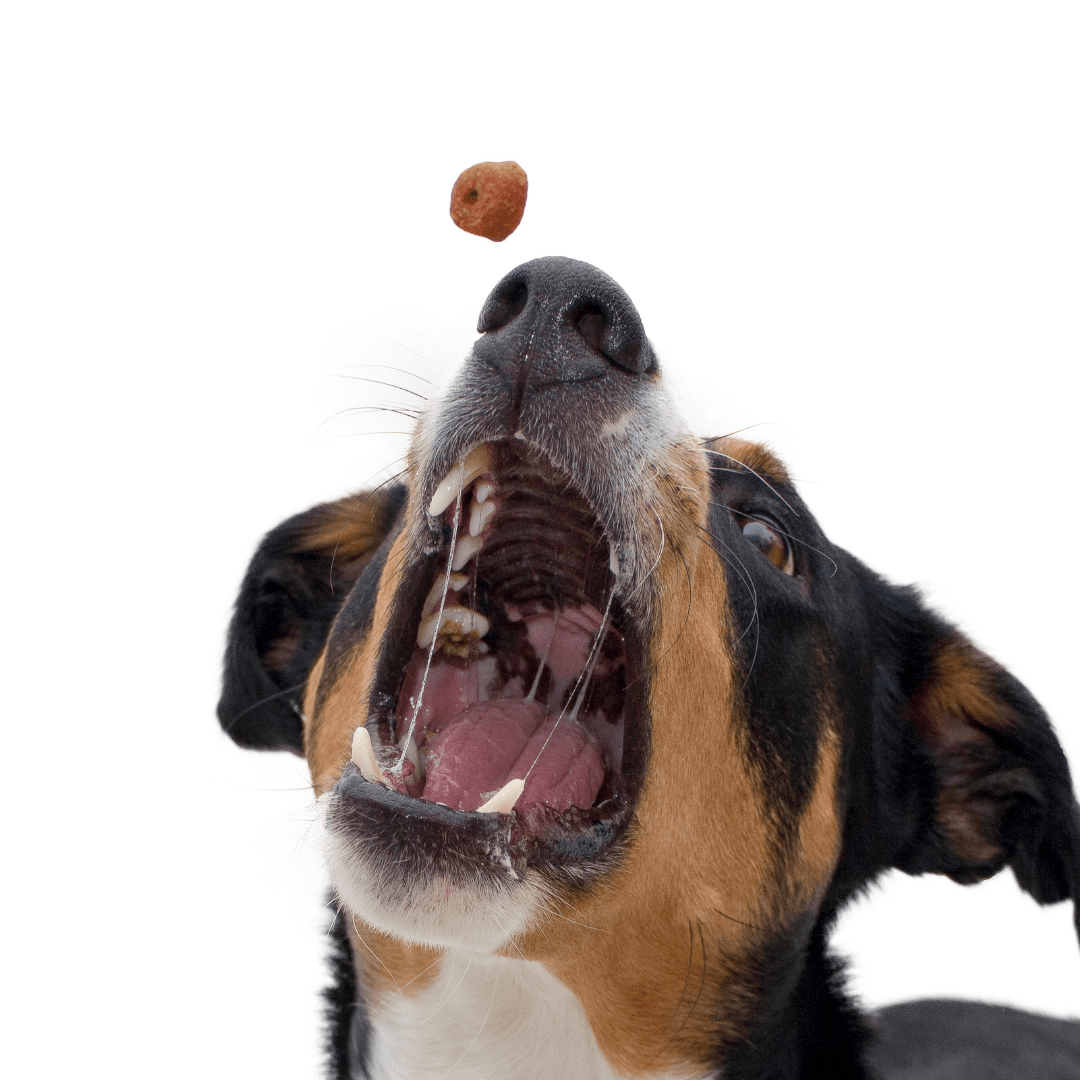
727,727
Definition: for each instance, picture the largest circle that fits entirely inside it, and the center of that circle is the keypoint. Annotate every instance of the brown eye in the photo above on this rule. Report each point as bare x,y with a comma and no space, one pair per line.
770,543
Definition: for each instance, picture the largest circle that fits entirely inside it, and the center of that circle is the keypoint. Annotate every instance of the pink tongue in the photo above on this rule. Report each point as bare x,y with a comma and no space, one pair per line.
492,742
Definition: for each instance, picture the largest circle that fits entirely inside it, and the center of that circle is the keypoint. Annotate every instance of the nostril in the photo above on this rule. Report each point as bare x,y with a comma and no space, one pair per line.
616,336
577,317
504,305
592,325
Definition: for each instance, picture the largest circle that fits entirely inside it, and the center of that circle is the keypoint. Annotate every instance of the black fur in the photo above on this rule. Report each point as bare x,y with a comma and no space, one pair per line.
804,1023
283,614
967,1040
347,1030
932,779
836,631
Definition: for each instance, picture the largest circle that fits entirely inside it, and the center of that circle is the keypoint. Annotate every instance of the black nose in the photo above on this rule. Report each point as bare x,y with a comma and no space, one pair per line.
563,321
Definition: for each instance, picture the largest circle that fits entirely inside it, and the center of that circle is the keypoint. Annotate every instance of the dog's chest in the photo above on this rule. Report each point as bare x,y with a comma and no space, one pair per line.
485,1018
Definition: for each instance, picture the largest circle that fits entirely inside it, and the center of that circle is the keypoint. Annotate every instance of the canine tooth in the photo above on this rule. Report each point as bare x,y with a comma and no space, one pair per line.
363,756
467,547
431,602
469,623
457,581
478,518
477,461
426,631
412,752
613,563
519,434
482,491
502,802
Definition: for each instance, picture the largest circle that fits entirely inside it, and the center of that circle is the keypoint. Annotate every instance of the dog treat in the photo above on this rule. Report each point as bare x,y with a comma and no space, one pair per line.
489,199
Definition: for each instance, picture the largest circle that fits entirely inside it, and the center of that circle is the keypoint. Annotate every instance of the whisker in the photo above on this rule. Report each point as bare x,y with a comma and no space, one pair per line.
396,769
747,580
720,453
795,540
262,701
357,410
363,501
381,382
419,356
465,1053
357,434
375,954
385,367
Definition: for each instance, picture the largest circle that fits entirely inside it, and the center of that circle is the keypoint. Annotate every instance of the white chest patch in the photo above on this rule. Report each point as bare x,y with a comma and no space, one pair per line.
486,1018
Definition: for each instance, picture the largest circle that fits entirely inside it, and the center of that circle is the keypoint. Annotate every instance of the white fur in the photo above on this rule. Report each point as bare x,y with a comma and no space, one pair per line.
435,911
487,1018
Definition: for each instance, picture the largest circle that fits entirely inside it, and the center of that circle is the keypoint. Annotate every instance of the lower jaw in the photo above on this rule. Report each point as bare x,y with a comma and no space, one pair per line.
427,874
429,839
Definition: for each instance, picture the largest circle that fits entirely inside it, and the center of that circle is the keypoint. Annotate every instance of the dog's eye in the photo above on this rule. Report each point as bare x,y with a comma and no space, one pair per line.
770,543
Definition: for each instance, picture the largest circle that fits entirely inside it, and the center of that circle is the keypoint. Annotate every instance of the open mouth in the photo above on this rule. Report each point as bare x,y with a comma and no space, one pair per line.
505,695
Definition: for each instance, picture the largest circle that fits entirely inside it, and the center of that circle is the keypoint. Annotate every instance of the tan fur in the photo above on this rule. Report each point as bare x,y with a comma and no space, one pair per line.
959,691
651,953
328,738
757,457
951,710
820,833
650,956
389,965
349,528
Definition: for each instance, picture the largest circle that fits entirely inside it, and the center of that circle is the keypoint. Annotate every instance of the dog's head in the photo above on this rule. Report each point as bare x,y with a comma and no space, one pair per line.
726,726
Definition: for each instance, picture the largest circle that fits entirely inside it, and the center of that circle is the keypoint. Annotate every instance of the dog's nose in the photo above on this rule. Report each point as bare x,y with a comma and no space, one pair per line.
557,320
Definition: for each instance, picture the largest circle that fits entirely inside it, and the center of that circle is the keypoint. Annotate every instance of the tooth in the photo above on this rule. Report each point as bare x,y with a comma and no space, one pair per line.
519,434
613,563
471,623
457,581
467,547
502,802
412,752
481,511
482,491
477,461
363,755
426,631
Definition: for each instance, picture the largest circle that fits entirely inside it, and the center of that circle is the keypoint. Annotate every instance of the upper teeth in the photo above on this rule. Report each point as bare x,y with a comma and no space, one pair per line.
478,518
477,461
463,623
467,547
363,756
438,588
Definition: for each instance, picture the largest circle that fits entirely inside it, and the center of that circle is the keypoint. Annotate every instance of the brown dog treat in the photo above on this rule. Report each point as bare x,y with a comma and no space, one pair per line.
489,199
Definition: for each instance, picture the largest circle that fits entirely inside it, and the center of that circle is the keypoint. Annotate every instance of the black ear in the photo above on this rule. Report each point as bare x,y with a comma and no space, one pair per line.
995,785
297,580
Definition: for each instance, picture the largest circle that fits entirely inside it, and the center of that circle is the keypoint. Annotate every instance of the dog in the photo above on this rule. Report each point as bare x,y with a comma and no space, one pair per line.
605,733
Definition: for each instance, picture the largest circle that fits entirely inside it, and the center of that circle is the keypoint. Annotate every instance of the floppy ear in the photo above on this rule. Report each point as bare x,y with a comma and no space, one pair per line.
297,580
995,781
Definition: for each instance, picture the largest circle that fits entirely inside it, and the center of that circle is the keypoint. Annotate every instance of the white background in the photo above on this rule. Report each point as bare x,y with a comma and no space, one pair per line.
854,227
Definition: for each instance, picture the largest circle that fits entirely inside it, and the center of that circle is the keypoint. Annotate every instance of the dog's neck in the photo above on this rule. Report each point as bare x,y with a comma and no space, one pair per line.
485,1017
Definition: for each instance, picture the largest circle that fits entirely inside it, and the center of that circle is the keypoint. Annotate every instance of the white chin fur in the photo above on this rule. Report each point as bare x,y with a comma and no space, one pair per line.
435,912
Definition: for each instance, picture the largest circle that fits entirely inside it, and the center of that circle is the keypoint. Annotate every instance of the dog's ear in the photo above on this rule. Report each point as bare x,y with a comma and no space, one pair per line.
994,784
297,580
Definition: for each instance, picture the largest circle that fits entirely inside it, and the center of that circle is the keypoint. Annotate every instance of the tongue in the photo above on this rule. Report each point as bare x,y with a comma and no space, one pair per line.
492,742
